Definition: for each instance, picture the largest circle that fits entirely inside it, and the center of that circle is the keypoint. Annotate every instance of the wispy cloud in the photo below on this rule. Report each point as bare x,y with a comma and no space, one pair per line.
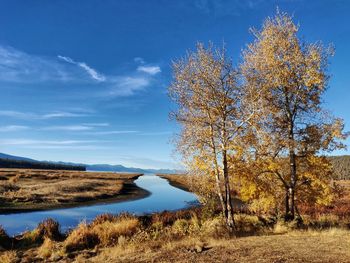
68,128
92,72
156,133
152,70
97,124
37,116
44,142
139,60
56,144
19,67
13,128
126,86
112,132
67,147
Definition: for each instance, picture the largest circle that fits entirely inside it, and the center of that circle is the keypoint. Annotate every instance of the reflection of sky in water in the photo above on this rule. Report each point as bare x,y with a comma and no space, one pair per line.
163,197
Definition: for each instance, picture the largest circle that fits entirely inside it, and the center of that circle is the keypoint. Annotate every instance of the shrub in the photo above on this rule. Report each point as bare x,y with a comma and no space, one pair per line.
168,218
105,231
155,230
282,227
50,228
81,238
181,227
104,218
248,223
215,228
30,238
109,232
46,248
326,221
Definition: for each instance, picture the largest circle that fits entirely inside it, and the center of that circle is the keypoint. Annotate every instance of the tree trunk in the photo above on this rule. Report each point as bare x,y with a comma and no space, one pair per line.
219,193
229,218
217,174
293,174
287,210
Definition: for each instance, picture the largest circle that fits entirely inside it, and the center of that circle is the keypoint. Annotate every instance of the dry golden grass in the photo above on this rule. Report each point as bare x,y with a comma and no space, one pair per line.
102,233
8,256
177,180
297,246
183,236
40,189
46,249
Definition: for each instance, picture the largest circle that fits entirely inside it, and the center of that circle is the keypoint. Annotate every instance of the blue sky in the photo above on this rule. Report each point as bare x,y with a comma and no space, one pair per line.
86,81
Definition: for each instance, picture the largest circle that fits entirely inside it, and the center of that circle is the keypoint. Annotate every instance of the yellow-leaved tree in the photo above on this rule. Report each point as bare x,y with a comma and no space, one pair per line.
208,99
293,130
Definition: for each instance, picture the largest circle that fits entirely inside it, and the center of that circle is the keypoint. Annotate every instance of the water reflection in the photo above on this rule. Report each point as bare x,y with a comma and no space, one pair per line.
163,197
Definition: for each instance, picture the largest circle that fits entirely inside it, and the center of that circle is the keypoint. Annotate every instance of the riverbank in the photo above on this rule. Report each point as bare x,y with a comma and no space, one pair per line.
24,190
177,180
189,235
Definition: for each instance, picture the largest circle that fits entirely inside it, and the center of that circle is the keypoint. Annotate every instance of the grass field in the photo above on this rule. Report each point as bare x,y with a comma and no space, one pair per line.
180,236
177,180
22,189
297,246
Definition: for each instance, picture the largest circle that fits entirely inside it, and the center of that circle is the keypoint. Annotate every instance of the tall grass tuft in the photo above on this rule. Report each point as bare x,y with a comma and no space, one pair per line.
105,230
81,238
50,228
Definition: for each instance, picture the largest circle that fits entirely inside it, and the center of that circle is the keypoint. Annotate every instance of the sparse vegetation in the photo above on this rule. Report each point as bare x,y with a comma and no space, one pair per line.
183,236
46,189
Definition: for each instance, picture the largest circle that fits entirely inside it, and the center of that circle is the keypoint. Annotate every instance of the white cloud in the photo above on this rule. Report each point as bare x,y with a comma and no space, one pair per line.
43,142
152,70
55,144
68,128
19,67
92,72
36,116
61,115
97,124
139,60
13,128
156,133
112,132
126,86
67,147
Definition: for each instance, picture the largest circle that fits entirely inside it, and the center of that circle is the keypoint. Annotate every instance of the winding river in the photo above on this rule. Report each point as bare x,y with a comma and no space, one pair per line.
163,197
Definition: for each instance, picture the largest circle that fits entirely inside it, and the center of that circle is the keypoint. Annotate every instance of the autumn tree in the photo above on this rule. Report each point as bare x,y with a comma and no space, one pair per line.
294,130
208,97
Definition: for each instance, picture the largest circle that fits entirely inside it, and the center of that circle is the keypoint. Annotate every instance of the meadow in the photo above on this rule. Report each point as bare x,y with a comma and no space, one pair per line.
27,190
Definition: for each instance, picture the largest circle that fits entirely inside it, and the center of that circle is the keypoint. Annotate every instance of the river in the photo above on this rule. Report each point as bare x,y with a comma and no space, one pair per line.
163,197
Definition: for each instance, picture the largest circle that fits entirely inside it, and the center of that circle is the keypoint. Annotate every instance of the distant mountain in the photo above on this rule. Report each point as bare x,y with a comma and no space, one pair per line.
121,168
17,158
10,161
94,167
